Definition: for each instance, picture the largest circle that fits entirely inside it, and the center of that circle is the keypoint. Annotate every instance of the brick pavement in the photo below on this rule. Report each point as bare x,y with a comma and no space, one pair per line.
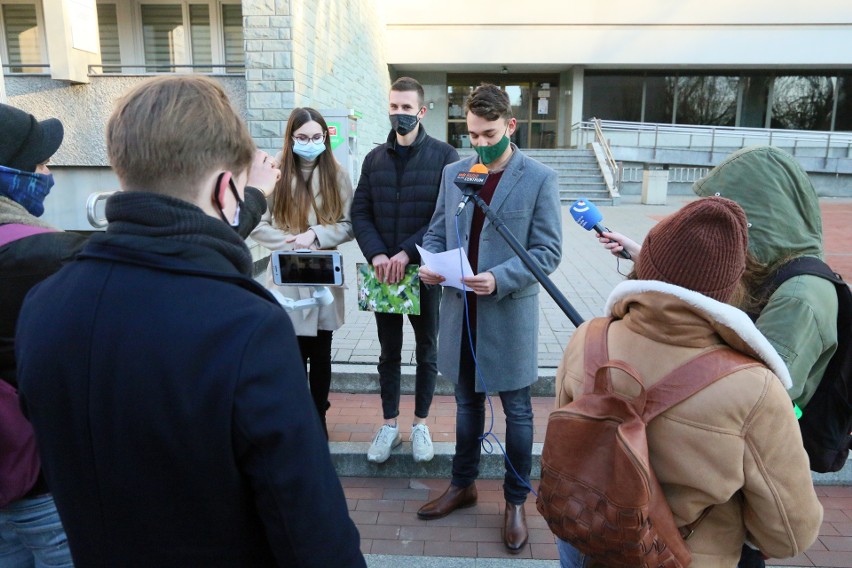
385,512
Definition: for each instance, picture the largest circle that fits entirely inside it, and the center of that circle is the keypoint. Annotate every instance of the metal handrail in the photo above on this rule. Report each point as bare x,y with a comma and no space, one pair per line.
713,136
613,166
143,68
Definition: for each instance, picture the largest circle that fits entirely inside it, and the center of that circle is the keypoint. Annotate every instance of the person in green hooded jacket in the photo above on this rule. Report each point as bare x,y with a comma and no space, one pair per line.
800,318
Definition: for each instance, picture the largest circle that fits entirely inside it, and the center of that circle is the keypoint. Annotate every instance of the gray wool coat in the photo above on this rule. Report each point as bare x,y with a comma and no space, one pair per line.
527,200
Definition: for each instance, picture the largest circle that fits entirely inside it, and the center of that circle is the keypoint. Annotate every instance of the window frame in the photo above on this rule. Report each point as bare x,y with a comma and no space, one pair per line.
132,41
44,64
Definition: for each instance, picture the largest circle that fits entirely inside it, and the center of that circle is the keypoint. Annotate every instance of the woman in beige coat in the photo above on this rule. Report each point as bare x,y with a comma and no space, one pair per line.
309,209
731,446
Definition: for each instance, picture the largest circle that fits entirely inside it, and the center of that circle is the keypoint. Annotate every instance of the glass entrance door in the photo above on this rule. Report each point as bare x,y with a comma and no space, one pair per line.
533,100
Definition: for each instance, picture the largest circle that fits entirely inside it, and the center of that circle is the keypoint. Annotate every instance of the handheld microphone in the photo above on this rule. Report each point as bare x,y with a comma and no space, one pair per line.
470,182
589,217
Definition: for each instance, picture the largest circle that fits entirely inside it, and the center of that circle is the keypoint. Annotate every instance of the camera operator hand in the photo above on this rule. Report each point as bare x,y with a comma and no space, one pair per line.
263,173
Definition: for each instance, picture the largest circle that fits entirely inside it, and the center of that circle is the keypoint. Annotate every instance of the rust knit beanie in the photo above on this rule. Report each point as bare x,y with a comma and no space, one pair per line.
701,247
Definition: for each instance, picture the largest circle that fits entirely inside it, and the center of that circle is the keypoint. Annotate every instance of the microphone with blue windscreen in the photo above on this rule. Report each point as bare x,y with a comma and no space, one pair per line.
589,217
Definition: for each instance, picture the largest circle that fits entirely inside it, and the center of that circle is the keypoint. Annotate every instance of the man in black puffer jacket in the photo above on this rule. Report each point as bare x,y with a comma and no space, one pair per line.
391,210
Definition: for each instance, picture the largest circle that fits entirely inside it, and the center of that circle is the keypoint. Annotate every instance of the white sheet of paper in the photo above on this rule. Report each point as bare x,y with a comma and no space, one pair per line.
448,265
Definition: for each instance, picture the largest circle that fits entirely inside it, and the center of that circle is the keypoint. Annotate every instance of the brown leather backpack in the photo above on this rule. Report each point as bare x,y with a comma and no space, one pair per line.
598,490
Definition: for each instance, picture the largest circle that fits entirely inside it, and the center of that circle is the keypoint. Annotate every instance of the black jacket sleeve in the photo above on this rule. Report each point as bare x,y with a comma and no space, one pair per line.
408,245
363,223
254,206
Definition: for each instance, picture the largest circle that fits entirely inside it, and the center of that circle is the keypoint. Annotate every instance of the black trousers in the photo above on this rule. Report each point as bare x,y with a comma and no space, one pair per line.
317,351
425,326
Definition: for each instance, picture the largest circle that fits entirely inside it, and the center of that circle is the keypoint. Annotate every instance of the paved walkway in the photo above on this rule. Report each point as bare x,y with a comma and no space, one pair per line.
384,508
586,276
385,513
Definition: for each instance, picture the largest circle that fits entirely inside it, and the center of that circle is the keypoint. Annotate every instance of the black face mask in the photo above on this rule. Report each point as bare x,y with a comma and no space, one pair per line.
403,123
235,224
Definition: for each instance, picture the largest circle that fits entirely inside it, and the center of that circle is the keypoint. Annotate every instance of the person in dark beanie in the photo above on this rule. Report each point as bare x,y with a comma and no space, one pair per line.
726,449
30,250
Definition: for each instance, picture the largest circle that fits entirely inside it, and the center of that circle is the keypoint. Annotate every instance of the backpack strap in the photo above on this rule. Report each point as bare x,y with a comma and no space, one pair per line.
692,376
803,265
596,353
13,231
799,266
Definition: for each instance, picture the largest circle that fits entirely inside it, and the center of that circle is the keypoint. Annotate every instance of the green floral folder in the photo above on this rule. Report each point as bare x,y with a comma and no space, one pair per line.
400,298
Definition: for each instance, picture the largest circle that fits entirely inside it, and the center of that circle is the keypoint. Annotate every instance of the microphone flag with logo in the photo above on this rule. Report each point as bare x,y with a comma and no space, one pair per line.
588,216
470,182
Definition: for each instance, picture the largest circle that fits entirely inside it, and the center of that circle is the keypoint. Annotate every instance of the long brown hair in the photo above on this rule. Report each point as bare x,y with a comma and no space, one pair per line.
293,198
757,277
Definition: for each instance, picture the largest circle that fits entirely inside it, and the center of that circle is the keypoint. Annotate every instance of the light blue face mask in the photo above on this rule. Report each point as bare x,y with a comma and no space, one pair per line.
309,151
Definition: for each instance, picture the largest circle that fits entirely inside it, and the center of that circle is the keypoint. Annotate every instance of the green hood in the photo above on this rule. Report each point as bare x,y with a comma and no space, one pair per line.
778,198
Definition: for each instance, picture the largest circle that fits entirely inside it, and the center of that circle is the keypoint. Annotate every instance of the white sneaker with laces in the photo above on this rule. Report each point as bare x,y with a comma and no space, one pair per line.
421,443
387,438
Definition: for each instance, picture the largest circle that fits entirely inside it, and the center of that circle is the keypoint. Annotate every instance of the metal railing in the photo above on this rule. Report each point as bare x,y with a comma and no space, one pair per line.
25,68
819,144
155,69
676,174
613,166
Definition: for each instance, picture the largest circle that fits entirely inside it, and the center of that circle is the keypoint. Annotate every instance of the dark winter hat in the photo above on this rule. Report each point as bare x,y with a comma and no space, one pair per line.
701,247
24,141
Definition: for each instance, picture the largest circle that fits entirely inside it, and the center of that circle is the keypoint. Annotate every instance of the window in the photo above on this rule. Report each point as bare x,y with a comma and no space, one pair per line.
533,100
802,102
162,36
108,32
232,28
23,47
707,100
843,116
616,97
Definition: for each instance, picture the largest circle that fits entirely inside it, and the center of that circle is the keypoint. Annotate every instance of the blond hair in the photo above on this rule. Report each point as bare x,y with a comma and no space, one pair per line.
168,132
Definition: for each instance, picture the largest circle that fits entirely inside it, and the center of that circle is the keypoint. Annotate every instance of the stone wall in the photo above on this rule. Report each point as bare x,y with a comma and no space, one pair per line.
321,53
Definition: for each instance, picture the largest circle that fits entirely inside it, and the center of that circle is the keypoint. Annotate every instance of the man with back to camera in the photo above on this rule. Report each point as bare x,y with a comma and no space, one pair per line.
393,204
164,384
501,306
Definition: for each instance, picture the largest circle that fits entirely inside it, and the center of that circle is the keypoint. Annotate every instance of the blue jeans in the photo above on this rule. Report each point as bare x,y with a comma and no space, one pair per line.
31,535
569,557
425,326
470,425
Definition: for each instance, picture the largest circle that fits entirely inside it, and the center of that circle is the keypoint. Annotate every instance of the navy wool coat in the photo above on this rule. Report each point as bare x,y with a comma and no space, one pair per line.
173,416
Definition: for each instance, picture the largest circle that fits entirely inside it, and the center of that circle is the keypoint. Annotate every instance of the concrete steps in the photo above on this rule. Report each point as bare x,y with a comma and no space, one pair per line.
579,174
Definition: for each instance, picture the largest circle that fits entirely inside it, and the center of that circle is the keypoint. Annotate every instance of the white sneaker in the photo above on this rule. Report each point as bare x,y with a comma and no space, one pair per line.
421,443
387,438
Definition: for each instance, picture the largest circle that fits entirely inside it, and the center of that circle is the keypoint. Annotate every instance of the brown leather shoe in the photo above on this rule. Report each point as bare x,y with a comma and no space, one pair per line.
452,499
515,533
